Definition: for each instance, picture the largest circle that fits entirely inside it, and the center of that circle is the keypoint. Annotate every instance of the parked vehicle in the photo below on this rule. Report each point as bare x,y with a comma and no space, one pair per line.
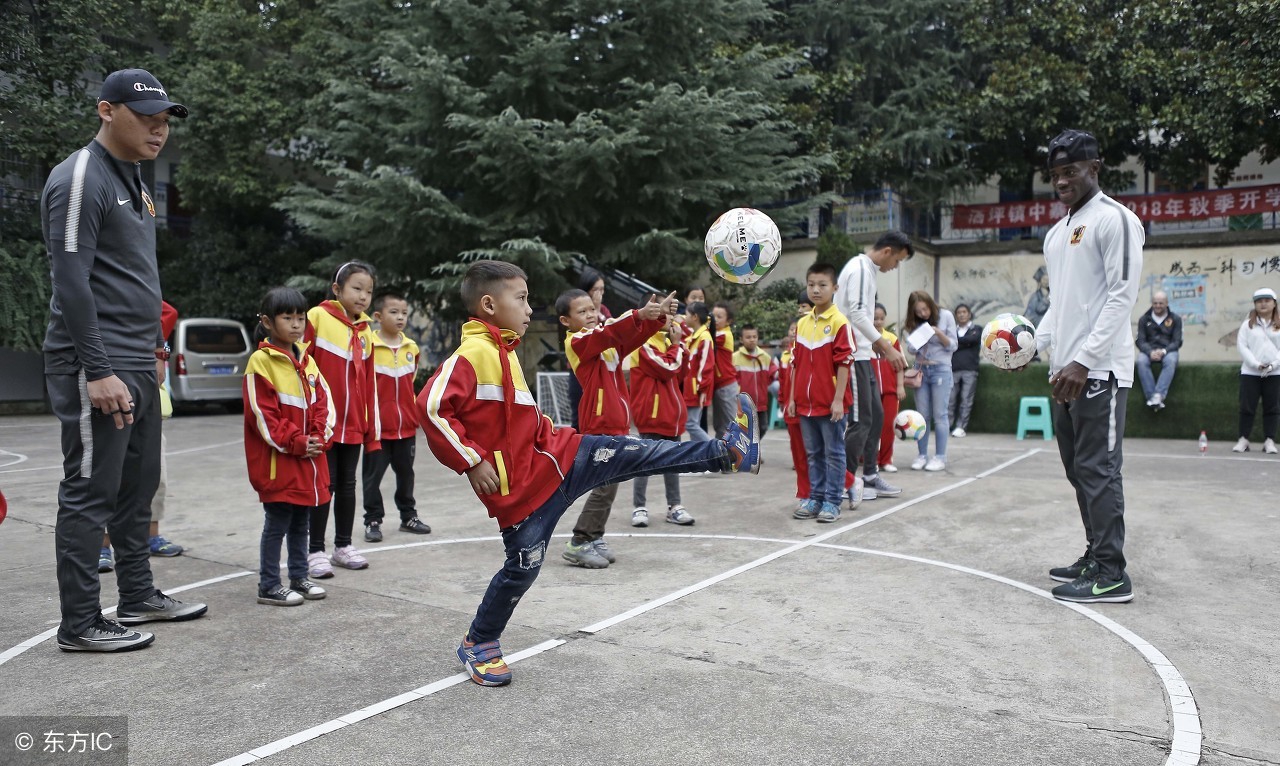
208,360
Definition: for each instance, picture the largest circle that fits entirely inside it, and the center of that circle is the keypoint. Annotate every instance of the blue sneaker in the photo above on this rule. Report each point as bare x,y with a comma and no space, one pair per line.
162,547
808,510
742,437
830,512
484,663
106,562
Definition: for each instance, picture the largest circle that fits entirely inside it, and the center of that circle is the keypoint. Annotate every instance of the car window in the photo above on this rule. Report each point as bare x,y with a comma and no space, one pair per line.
215,339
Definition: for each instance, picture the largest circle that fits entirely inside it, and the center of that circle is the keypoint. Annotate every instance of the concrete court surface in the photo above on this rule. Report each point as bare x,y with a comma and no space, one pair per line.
914,631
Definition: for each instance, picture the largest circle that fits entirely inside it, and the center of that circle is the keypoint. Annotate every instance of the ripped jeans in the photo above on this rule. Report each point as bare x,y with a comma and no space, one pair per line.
600,460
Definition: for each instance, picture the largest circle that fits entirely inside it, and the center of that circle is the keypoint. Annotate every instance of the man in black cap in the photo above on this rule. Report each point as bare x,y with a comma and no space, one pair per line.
1094,258
103,356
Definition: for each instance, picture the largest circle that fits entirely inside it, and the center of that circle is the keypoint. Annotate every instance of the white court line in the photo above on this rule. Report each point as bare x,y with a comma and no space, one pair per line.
170,453
1182,705
20,458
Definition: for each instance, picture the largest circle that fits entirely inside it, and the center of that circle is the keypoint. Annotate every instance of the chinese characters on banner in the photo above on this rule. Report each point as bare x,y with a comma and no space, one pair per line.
1149,207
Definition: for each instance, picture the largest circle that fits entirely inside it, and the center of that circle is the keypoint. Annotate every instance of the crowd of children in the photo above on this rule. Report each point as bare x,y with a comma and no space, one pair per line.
328,386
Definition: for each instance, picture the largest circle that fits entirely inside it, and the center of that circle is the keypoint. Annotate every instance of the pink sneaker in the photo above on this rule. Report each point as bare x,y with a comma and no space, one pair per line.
318,566
348,557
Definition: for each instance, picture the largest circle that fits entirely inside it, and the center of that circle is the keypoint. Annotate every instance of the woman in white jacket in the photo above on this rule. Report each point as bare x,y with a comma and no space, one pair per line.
1259,344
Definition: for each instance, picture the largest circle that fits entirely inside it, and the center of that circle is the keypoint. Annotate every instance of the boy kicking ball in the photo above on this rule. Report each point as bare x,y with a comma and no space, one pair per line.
481,419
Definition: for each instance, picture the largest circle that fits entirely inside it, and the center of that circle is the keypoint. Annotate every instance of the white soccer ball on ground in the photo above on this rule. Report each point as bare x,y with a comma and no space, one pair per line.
743,245
1009,341
909,425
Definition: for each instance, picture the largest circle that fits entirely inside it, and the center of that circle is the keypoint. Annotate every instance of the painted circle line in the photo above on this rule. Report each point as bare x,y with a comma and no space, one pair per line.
1187,736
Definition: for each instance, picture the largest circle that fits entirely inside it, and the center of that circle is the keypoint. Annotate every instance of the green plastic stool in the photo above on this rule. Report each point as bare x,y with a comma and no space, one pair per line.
1034,415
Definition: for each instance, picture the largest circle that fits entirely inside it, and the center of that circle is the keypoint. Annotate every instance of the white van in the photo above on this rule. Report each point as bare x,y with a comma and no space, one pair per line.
208,359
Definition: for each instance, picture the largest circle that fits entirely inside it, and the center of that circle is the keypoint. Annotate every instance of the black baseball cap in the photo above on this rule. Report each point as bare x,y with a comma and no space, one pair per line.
140,91
1078,144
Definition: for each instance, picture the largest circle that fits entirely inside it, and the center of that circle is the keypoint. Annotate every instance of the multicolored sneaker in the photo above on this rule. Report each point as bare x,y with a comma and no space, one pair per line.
484,663
162,547
348,557
604,550
584,555
808,510
677,514
830,512
106,562
1096,588
742,437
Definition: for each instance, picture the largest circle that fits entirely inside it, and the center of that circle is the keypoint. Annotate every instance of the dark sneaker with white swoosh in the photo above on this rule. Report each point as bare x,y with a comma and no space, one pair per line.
104,636
158,608
1089,589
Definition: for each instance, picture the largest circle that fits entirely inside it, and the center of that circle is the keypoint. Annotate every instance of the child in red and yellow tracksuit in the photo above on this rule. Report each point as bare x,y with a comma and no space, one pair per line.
481,419
756,370
799,458
658,410
287,428
342,344
892,392
700,378
726,375
595,354
395,362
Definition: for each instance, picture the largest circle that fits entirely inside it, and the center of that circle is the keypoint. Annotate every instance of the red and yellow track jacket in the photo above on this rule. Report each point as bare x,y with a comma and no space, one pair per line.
725,372
477,406
393,370
699,382
657,372
286,400
755,372
595,356
824,342
343,350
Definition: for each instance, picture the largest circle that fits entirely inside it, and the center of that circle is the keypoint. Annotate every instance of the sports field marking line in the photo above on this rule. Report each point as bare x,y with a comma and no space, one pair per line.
170,453
1184,715
21,458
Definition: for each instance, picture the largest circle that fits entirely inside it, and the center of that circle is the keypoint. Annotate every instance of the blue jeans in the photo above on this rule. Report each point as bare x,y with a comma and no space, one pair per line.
824,444
284,522
1168,366
600,460
932,398
693,424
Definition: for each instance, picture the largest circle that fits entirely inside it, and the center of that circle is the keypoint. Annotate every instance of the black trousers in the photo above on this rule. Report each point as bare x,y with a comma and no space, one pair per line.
1090,434
1251,388
862,437
109,478
397,454
343,461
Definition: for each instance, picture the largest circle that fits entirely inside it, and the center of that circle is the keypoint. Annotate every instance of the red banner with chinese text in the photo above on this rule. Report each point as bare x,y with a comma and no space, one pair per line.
1187,206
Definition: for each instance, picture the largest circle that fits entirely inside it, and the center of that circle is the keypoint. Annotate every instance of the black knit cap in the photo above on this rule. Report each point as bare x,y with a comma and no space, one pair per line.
1078,145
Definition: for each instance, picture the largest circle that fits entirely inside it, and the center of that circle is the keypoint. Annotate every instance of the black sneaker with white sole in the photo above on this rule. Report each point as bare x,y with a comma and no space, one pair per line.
104,636
280,596
1085,566
158,608
1097,588
309,590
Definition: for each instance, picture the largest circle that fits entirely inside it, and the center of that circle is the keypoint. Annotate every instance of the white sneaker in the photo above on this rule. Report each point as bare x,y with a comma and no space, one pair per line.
348,557
889,468
318,566
1241,446
1269,447
936,464
640,517
919,463
856,493
958,432
1157,401
1152,401
676,514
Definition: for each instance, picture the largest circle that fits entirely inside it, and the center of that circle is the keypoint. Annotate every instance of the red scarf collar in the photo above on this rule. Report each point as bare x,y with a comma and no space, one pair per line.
508,382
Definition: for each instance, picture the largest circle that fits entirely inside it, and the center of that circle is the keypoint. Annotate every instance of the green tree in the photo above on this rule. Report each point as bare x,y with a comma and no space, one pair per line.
615,130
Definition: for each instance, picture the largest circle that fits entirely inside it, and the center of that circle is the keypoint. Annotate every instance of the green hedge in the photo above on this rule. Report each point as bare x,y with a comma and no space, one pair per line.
1204,397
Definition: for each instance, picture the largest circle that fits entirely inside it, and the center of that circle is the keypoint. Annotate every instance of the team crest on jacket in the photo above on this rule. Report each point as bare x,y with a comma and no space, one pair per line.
826,330
408,357
1077,235
311,380
151,205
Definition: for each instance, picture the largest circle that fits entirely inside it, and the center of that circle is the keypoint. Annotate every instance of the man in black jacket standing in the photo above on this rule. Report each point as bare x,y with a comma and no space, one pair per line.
1159,338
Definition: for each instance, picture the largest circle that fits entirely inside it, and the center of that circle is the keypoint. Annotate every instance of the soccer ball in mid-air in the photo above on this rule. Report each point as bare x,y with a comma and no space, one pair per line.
743,245
909,425
1009,341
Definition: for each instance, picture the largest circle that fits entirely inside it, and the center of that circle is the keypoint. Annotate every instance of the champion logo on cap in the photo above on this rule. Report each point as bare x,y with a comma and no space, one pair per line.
140,91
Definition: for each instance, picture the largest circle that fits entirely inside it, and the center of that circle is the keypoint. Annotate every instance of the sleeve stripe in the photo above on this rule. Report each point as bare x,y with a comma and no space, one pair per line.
658,360
71,236
252,381
442,424
1124,227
